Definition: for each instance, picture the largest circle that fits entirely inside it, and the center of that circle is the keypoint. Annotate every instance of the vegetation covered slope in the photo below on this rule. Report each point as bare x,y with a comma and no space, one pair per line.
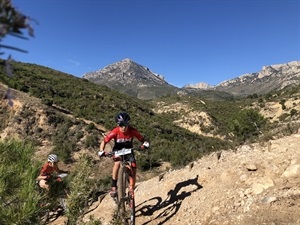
68,98
73,108
83,99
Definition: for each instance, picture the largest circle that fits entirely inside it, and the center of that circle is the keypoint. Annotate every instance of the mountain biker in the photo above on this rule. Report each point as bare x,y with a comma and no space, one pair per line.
123,136
50,167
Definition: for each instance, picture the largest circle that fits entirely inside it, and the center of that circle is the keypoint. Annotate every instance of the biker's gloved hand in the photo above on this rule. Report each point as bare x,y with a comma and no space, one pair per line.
101,154
146,144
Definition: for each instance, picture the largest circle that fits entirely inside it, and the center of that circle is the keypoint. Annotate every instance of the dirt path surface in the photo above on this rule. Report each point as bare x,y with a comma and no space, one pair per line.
253,185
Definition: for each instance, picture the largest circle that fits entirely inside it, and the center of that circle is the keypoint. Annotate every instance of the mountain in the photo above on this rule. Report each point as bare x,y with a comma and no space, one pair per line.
270,78
201,85
131,78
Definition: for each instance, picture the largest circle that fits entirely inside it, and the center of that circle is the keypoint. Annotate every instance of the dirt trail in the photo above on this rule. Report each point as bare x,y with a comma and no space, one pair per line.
252,185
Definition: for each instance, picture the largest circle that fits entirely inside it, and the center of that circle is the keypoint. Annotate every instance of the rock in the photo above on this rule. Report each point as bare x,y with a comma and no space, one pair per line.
292,171
267,200
251,167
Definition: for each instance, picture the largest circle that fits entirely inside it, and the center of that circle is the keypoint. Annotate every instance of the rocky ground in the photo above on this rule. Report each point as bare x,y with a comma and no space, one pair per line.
252,185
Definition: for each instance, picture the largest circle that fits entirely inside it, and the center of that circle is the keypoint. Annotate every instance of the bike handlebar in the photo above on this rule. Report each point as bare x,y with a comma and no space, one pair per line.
121,152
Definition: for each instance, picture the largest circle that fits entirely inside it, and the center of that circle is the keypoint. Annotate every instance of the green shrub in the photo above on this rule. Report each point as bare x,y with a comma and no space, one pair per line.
81,186
90,126
91,141
282,103
247,123
283,116
293,112
18,198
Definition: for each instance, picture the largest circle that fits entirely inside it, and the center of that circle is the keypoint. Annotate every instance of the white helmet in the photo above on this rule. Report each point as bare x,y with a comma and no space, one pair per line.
52,158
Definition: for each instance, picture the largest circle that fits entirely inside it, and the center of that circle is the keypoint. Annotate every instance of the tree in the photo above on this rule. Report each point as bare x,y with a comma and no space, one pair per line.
247,123
12,22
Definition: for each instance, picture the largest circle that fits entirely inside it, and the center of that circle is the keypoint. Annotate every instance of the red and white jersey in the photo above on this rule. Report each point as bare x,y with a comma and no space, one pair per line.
48,170
123,139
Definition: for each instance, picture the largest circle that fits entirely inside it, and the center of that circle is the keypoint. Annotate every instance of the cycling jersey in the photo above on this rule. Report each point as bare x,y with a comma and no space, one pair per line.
123,139
47,170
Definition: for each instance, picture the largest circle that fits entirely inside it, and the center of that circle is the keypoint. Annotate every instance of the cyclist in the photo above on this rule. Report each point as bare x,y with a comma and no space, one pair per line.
47,170
123,136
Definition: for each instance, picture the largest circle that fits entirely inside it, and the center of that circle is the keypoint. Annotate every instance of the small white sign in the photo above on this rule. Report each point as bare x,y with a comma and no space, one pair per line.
124,151
62,175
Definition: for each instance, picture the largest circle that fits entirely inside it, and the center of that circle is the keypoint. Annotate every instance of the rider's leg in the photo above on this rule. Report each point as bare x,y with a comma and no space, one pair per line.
132,180
43,184
133,177
115,170
133,173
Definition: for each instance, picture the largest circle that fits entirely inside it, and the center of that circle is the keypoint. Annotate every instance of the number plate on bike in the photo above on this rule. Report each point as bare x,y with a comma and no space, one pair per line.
124,151
62,175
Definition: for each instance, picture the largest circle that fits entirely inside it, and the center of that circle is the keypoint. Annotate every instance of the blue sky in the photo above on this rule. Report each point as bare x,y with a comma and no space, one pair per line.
186,41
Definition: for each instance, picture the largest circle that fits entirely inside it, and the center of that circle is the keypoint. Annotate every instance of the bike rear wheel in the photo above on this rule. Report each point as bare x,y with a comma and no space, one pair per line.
63,204
126,203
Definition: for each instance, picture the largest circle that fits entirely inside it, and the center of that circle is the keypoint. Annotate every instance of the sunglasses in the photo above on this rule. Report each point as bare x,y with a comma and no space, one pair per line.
123,125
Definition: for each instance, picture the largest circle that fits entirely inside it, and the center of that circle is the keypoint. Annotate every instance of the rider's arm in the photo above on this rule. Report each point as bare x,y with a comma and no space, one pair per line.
43,171
102,145
101,149
41,177
112,134
137,134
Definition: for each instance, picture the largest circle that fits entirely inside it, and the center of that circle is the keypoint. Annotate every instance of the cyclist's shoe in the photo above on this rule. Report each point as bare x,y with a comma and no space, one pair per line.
113,192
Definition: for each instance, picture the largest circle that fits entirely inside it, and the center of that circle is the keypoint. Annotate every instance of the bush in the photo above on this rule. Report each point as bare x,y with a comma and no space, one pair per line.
19,200
293,112
80,189
246,124
91,141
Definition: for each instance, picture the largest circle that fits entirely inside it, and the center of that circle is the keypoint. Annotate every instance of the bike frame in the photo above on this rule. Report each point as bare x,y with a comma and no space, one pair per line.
125,197
60,201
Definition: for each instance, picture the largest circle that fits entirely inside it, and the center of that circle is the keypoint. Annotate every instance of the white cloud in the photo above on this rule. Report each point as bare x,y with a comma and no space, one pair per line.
74,62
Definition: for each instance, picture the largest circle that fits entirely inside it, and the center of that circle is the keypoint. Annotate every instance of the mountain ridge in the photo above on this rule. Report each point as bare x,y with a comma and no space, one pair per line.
265,71
131,78
134,79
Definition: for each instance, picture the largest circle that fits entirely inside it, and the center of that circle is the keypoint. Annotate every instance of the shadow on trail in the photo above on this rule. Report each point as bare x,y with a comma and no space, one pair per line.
170,205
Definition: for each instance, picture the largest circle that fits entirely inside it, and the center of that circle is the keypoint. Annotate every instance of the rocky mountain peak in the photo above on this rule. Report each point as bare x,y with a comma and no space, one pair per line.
201,85
134,79
131,78
125,71
284,71
269,78
291,67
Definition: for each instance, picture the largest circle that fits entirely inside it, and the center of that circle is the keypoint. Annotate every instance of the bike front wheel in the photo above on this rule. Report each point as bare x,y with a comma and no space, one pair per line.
126,203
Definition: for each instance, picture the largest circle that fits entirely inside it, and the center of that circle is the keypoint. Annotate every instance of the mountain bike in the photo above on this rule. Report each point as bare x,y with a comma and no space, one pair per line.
62,197
54,200
125,197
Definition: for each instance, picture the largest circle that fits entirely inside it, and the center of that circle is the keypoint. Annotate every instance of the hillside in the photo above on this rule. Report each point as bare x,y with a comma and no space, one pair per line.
58,112
77,98
254,184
